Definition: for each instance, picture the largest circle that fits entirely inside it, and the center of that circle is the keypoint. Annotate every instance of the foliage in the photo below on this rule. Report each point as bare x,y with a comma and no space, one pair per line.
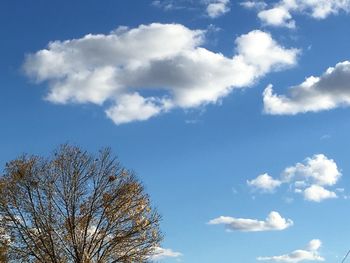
74,207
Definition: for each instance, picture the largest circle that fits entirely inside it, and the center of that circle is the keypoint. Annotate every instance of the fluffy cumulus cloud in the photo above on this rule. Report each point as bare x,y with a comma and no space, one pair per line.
318,193
310,253
217,8
163,253
317,169
279,13
277,16
135,107
274,221
264,183
309,178
329,91
138,73
312,176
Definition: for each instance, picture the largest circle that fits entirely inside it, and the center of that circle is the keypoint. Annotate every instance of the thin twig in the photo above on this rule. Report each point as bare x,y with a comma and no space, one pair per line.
347,254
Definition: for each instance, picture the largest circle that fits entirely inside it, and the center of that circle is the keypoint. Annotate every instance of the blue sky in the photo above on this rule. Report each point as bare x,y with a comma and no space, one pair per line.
234,114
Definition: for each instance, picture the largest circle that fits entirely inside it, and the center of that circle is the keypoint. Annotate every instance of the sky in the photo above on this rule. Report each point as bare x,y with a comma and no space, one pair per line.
234,114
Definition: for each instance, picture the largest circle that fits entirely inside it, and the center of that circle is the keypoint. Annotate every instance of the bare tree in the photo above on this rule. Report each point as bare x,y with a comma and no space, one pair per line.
75,207
3,254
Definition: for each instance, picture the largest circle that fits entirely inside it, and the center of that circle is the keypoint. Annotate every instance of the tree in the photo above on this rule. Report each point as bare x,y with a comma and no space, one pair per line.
75,207
3,253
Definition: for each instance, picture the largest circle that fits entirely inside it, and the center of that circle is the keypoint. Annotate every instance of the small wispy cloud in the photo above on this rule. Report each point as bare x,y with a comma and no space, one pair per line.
264,183
212,8
326,137
310,253
163,253
273,222
257,5
170,5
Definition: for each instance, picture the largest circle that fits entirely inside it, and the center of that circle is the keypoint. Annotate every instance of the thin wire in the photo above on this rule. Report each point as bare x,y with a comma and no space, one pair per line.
347,254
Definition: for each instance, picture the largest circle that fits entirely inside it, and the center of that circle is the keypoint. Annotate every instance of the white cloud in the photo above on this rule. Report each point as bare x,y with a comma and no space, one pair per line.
262,54
280,12
258,5
148,70
309,254
318,193
212,8
277,16
321,9
274,221
164,5
135,107
314,245
163,253
329,91
169,5
317,169
308,178
264,183
217,8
